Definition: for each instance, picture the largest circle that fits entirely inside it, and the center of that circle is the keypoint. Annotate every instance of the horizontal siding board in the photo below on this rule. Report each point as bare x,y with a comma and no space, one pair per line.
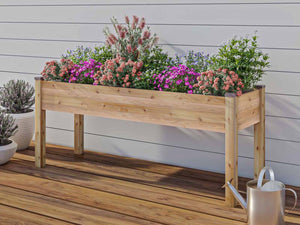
59,2
239,14
280,60
207,35
128,2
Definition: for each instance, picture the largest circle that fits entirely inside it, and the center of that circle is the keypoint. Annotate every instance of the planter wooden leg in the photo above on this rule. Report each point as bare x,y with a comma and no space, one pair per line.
231,146
78,134
259,136
40,127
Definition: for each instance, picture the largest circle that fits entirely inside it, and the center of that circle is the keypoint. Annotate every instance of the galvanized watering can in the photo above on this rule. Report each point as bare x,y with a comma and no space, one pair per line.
265,200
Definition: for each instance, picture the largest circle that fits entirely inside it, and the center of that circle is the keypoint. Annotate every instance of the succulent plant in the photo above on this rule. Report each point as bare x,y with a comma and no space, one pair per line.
8,128
17,96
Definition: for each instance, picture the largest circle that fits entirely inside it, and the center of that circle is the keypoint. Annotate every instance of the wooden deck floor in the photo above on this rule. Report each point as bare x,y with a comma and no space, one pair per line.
105,189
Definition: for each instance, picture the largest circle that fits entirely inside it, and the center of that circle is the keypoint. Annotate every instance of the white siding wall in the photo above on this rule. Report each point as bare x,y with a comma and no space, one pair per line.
33,32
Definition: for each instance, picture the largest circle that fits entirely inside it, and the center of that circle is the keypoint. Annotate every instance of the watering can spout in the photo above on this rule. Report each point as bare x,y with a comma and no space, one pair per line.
237,195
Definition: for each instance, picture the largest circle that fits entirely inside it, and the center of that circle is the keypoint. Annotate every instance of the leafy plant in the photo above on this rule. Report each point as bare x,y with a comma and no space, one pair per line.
218,83
84,54
7,128
17,96
243,57
154,62
132,39
58,71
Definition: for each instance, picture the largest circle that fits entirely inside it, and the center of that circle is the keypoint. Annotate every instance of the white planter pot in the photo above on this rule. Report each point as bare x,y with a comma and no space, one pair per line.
7,151
25,122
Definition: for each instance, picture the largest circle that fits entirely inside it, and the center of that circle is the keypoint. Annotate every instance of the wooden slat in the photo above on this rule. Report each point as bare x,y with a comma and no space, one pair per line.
165,108
137,99
259,136
248,109
231,147
63,210
40,126
78,134
91,90
187,185
130,189
103,200
142,165
13,216
88,197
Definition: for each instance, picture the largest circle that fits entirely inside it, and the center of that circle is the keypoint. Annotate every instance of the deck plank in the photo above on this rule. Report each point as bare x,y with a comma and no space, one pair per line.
192,176
64,210
130,189
186,185
107,201
13,216
99,188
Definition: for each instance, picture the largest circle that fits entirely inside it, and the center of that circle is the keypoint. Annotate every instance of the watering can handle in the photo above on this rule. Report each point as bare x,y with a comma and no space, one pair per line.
296,200
262,173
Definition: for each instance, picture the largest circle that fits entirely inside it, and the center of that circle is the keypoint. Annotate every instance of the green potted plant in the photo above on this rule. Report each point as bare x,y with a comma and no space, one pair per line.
17,99
8,128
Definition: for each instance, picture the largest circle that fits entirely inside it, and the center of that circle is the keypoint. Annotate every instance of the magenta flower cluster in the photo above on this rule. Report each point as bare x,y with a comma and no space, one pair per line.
177,79
85,71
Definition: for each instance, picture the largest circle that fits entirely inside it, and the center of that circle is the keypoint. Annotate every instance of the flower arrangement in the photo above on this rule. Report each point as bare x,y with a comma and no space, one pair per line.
178,79
219,82
132,59
7,128
132,40
17,96
84,72
119,72
243,57
58,71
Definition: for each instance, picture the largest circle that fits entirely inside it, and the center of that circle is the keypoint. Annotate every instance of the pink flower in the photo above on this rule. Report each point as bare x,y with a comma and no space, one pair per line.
140,41
239,93
135,19
129,48
122,34
142,23
126,19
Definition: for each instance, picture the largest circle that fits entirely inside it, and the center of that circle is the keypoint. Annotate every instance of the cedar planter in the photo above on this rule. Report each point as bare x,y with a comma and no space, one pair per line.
213,113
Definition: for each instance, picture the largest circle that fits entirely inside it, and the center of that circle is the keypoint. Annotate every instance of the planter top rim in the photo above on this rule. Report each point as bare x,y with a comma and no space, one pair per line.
229,94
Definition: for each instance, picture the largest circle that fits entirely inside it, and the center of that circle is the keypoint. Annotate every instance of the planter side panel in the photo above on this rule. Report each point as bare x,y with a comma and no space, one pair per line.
248,109
165,108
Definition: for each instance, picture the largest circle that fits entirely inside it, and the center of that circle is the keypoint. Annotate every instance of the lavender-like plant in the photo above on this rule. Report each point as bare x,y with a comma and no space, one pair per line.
17,96
7,128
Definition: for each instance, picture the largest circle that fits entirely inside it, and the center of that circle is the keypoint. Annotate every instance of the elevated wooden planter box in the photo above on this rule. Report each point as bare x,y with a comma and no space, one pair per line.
227,114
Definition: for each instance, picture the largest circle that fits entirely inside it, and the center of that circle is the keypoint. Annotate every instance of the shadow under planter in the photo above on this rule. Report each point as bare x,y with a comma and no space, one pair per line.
227,115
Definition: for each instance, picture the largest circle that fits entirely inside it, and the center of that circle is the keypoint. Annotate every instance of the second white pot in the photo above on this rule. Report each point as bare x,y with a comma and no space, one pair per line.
7,151
25,122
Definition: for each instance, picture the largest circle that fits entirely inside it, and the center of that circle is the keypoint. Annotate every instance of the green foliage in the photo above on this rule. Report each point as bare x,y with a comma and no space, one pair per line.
7,128
98,53
155,61
243,57
17,96
197,60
